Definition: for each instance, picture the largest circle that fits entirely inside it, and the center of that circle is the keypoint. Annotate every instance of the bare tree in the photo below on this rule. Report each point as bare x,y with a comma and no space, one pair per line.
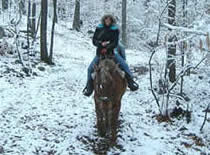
76,22
43,31
171,64
124,22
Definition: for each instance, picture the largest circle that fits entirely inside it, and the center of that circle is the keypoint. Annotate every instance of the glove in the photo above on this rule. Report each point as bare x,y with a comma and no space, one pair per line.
103,51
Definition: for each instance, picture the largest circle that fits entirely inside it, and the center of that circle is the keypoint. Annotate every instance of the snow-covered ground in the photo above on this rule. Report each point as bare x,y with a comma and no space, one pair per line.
47,114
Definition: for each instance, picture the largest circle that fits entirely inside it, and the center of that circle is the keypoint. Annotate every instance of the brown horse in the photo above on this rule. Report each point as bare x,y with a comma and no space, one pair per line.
109,85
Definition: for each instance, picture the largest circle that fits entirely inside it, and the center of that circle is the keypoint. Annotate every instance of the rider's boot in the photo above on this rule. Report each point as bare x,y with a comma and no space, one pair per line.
131,83
88,90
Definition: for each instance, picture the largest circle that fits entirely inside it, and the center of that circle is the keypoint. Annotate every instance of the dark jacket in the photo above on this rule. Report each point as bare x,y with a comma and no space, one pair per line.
103,33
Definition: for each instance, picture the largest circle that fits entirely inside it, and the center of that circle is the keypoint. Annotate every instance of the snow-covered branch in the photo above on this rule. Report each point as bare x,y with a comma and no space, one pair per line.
184,29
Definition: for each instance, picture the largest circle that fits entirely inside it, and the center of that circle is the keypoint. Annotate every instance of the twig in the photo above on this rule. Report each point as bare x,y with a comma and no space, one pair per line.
159,25
205,118
182,73
151,84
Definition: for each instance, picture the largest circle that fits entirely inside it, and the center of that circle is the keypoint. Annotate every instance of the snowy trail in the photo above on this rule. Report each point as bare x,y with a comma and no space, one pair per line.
49,115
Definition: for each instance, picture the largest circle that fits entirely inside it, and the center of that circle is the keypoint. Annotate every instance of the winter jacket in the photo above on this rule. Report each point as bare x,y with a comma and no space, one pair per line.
104,33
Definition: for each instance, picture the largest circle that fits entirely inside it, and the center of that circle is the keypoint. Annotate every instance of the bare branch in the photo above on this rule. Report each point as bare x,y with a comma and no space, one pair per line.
151,84
205,118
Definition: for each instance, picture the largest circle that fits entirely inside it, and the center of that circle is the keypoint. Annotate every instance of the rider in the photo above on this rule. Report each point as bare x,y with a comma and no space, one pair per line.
106,39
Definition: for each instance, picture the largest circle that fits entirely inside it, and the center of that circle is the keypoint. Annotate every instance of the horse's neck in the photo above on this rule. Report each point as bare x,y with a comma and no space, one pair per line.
107,56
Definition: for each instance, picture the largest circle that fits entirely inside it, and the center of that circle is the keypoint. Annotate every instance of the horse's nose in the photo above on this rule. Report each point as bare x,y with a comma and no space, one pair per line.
101,86
104,99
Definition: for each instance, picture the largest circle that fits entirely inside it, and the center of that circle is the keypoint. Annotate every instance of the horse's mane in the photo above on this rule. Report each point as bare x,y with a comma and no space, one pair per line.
107,64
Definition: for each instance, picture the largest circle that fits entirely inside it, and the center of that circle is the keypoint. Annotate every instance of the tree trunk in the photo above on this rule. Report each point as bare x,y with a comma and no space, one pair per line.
171,63
76,22
184,43
124,22
22,7
52,32
208,46
28,24
5,4
43,31
33,21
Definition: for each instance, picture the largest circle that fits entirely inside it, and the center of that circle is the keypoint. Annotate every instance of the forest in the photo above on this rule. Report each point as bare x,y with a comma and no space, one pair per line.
46,48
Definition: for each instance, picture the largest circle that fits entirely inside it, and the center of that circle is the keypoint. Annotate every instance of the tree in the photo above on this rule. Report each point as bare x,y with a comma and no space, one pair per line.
124,22
171,63
5,4
76,22
43,31
33,20
52,32
28,23
184,44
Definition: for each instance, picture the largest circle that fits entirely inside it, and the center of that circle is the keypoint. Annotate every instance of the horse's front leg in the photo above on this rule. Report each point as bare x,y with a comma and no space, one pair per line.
100,115
115,120
109,118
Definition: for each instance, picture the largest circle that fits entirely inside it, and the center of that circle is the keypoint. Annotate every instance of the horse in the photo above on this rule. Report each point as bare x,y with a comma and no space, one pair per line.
109,87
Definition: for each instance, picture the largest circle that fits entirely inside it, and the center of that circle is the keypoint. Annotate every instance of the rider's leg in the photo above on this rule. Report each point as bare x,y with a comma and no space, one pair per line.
89,87
121,49
129,76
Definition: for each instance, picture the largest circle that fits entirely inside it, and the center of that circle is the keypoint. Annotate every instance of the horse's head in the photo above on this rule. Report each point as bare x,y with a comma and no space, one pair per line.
104,78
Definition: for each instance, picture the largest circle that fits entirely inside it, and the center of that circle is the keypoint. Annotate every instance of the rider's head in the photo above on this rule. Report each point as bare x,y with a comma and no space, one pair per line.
108,20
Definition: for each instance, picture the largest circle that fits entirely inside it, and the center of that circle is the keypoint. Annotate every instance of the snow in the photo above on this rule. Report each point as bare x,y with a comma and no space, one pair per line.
48,114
